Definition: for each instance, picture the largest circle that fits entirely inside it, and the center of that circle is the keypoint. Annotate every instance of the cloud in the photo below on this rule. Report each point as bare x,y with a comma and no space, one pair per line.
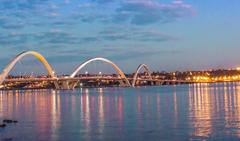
103,1
55,36
61,22
134,54
8,23
13,26
21,4
142,12
88,39
137,12
24,13
134,34
91,17
46,23
14,39
86,5
53,15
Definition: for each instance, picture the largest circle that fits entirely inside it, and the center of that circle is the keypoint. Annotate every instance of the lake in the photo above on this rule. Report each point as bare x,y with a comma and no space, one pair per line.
192,112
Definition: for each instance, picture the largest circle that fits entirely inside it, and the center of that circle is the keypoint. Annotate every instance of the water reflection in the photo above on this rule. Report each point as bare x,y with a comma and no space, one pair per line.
213,103
197,111
101,111
55,113
232,108
200,109
43,110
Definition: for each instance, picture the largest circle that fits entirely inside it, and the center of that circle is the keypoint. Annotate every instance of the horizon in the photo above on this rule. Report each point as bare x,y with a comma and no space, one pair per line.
166,35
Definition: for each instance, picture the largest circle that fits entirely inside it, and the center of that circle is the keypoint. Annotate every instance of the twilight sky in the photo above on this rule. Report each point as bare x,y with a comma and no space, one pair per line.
165,34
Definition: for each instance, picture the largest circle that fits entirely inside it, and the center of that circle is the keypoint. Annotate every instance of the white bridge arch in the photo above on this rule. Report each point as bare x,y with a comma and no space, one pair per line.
145,67
119,71
37,55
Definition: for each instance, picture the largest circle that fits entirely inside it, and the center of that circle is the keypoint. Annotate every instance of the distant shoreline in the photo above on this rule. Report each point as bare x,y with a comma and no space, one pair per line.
95,87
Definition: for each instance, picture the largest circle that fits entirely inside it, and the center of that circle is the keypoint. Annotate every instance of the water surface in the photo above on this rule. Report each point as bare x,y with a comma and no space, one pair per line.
184,112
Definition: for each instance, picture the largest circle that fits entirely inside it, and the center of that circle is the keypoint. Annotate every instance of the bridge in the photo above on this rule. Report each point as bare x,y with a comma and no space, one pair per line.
73,80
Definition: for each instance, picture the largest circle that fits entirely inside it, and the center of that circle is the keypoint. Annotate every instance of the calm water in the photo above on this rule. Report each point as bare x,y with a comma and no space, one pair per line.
185,112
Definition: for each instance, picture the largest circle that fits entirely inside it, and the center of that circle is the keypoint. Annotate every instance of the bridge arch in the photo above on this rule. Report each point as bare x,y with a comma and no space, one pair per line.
37,55
119,71
145,67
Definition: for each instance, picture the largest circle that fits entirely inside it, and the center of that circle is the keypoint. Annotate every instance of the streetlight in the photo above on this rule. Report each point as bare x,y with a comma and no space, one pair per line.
100,73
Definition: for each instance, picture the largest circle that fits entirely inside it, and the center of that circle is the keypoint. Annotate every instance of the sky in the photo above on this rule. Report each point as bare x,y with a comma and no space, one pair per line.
167,35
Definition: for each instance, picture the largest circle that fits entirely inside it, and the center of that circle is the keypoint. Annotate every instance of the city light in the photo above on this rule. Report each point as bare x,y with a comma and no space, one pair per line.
70,81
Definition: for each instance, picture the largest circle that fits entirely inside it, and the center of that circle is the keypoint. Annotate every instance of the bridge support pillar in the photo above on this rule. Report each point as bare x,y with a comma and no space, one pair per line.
56,85
65,85
151,83
124,83
68,85
158,83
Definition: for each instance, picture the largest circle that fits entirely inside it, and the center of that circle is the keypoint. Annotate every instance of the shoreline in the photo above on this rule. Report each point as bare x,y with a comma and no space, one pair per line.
94,87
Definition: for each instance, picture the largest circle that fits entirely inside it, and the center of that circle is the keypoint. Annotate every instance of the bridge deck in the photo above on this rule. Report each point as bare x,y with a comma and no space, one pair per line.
88,78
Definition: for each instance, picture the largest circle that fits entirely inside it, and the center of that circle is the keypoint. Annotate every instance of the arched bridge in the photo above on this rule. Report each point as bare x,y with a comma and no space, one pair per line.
37,55
119,71
123,79
70,82
145,67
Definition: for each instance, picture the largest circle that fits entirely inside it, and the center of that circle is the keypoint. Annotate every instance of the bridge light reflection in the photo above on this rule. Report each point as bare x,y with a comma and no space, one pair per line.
200,109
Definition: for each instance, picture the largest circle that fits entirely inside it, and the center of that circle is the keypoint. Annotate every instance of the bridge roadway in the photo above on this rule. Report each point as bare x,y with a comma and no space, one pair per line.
88,78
